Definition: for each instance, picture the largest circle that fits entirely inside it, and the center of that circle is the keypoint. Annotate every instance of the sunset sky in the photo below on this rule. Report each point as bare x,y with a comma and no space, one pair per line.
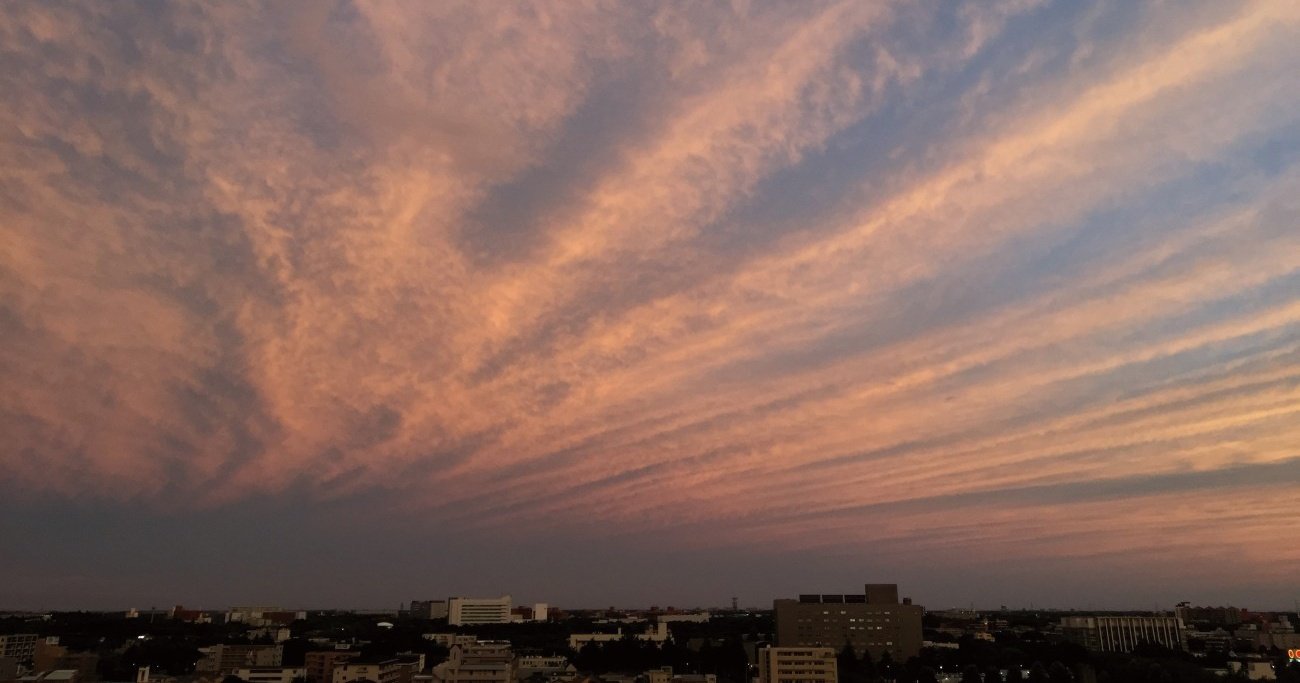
630,303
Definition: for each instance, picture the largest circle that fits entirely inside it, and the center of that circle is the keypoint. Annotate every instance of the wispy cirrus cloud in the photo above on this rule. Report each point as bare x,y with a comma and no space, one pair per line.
804,275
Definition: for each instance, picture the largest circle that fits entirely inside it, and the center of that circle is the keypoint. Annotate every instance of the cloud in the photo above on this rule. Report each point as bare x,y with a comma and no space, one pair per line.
834,272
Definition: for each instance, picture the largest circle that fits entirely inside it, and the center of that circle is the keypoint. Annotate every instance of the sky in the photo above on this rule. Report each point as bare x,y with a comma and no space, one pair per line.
347,304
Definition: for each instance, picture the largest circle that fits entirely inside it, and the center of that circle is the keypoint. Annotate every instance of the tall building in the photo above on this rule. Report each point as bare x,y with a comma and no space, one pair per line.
873,621
1122,634
797,665
468,611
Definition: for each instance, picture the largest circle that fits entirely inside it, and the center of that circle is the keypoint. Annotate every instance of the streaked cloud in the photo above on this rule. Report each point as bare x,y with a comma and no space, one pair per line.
1012,279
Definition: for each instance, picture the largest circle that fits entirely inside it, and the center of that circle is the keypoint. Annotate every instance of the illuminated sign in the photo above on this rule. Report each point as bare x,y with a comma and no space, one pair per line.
1294,655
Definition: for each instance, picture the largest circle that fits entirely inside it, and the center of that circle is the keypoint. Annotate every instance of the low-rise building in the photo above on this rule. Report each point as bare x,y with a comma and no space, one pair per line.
55,676
684,617
546,665
20,646
657,634
271,674
481,662
319,665
448,640
387,671
797,665
226,658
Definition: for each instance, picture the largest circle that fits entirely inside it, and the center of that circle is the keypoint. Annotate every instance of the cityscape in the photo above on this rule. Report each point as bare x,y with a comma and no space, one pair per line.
874,635
649,341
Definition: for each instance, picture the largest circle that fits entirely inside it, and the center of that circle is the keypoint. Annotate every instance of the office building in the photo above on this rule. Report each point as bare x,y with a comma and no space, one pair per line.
470,611
1122,634
874,622
797,665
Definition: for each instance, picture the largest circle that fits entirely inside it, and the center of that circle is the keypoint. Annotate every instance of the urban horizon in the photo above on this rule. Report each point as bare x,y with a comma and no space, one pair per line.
314,302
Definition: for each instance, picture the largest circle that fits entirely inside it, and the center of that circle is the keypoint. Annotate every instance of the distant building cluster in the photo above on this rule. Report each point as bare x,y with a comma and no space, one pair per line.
812,637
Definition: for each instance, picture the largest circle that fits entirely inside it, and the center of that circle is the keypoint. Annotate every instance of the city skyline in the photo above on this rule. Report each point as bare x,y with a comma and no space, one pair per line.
646,303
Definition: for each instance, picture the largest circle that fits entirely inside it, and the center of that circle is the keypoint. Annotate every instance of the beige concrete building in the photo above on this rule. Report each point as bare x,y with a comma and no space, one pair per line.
482,662
874,621
1122,634
797,665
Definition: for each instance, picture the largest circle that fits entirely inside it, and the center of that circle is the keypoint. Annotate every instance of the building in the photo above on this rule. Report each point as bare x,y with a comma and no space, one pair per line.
481,662
1122,634
20,646
797,665
664,674
684,617
469,611
226,658
50,656
56,676
319,666
545,665
1253,670
270,674
537,612
263,616
448,640
8,669
193,616
873,622
657,634
388,671
1217,616
428,609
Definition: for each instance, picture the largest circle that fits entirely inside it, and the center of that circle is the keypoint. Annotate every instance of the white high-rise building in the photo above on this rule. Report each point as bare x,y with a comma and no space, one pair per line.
468,611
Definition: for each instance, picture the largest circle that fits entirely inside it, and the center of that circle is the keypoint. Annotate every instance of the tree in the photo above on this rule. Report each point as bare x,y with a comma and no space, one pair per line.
971,674
888,670
848,666
1059,673
1038,673
1288,673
